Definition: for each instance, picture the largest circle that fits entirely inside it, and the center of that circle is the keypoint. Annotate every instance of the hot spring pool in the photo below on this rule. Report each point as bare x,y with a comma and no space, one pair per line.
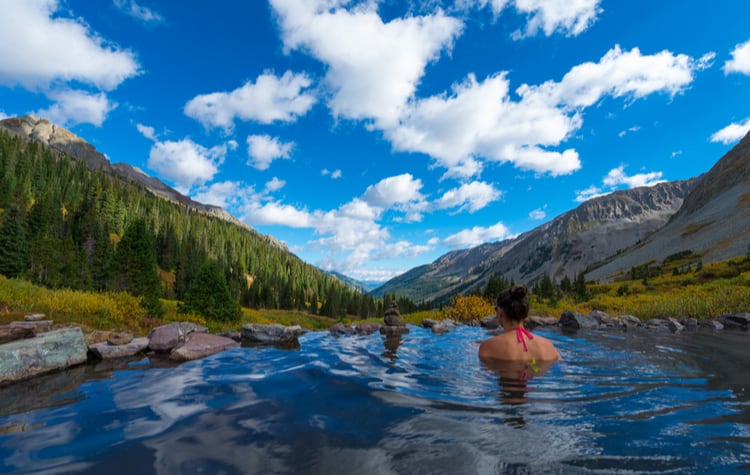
637,402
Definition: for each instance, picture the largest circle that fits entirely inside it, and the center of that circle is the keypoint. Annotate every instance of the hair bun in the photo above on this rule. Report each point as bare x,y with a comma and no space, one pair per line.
518,292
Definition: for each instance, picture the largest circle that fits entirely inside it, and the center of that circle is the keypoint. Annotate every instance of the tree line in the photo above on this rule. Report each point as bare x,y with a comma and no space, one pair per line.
63,225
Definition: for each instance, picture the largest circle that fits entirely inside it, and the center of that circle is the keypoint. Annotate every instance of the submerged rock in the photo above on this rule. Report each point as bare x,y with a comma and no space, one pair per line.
575,320
50,351
273,333
199,345
106,350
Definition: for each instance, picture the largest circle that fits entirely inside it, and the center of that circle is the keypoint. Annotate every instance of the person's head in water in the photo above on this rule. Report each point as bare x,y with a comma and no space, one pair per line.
514,302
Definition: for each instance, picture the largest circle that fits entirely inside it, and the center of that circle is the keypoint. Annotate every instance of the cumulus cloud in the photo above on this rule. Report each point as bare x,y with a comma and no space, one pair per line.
335,174
538,214
480,121
144,14
629,130
373,66
275,185
63,50
616,179
740,62
77,107
146,131
469,197
264,149
477,235
269,99
186,163
732,132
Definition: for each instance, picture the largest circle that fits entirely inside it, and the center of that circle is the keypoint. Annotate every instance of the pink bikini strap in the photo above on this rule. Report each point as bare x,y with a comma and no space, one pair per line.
520,332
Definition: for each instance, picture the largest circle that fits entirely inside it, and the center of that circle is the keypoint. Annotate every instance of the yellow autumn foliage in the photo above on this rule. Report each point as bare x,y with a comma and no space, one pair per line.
468,308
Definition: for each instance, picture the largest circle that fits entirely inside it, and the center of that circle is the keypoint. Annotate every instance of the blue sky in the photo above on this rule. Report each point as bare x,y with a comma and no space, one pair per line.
375,136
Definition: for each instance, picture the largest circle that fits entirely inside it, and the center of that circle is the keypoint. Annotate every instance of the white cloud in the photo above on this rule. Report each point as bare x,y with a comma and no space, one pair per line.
268,100
740,62
373,66
732,132
480,121
130,7
477,235
40,48
264,149
538,214
615,178
274,185
569,17
629,130
336,174
469,197
221,194
394,190
77,107
185,163
3,115
146,131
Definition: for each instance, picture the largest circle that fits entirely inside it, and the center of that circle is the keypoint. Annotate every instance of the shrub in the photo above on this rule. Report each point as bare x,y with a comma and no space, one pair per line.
468,308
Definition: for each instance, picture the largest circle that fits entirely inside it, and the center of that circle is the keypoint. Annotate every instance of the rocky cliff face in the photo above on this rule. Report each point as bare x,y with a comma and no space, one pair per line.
58,138
714,220
596,231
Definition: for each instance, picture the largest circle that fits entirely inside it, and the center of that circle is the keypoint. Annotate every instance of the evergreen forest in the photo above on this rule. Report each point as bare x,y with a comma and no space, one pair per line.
65,226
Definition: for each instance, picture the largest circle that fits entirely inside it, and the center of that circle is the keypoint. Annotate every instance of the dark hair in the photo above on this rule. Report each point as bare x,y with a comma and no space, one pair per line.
515,302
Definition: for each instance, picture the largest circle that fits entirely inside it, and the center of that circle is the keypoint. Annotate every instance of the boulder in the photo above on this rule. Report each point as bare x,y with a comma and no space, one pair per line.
711,324
534,321
106,351
120,338
38,326
574,321
200,345
429,323
736,320
9,333
35,317
490,322
674,326
603,318
273,333
341,329
366,328
630,321
167,337
50,351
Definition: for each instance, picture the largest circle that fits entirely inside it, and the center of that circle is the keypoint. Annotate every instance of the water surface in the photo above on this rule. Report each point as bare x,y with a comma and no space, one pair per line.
637,402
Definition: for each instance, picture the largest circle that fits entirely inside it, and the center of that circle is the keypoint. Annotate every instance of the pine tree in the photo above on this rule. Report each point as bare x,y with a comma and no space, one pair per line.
208,295
14,249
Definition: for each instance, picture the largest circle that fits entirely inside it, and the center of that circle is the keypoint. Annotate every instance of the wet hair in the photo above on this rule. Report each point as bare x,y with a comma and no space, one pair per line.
515,302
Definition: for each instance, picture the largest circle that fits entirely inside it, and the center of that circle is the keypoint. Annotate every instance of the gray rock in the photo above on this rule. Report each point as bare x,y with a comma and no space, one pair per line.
106,351
341,329
120,338
736,320
429,323
711,324
603,318
35,317
50,351
392,330
271,333
366,328
38,326
200,345
167,337
9,333
674,326
233,334
490,322
574,321
534,321
392,316
440,328
630,321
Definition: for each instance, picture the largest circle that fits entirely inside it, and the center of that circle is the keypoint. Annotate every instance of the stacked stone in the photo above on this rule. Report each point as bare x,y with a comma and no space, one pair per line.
394,323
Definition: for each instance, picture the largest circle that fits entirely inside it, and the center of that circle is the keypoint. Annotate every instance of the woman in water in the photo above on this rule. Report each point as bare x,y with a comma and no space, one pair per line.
516,343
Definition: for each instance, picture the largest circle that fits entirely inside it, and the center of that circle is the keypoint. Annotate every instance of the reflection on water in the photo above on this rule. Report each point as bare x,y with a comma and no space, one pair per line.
635,402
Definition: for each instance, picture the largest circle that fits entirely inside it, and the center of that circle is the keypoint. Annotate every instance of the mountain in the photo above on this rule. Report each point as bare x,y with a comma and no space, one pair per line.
62,140
714,220
565,246
353,283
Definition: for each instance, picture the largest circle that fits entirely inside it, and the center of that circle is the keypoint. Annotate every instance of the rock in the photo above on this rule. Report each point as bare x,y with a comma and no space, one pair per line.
711,324
38,326
490,322
233,334
392,316
341,329
534,321
35,317
603,318
674,326
97,336
9,333
106,351
689,322
271,333
390,330
167,337
50,351
736,320
200,345
122,338
630,321
366,328
440,328
429,323
575,320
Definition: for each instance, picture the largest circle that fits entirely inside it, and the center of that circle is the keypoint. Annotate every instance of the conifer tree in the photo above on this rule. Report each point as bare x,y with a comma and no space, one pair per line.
14,248
208,295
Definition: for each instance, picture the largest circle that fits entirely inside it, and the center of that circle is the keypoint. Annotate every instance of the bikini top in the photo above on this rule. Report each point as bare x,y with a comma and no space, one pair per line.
520,332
